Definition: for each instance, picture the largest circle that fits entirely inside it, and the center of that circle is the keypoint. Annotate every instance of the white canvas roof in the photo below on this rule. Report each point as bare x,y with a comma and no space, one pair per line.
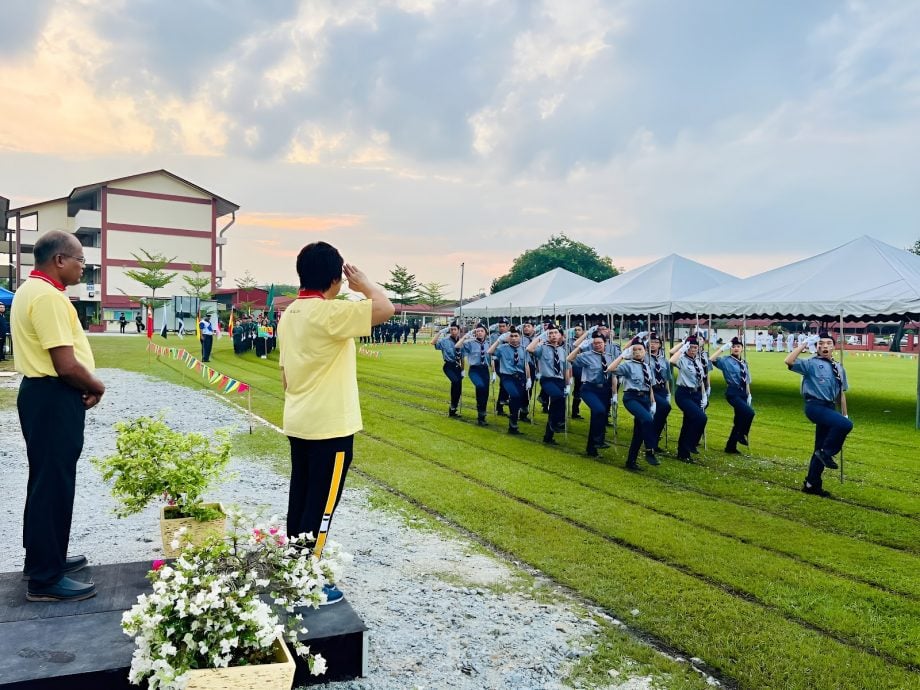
530,298
865,278
649,289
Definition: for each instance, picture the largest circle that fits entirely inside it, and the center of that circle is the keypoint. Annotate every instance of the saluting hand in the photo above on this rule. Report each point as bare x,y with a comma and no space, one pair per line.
357,281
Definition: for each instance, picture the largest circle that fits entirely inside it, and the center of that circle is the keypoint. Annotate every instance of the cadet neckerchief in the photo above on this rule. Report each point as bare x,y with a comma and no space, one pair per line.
658,376
557,367
48,279
743,370
836,371
482,351
458,352
517,357
697,368
646,376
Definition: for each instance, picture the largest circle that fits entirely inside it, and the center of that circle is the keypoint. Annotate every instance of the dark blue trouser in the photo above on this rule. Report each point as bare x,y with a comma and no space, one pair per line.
502,393
479,377
691,430
207,341
453,372
576,390
640,407
52,417
513,385
555,393
831,430
595,397
662,410
744,415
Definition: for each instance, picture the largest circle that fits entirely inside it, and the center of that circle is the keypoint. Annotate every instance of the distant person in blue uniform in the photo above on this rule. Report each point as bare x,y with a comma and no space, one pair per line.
576,333
636,378
824,383
595,386
662,384
737,392
207,337
690,396
515,373
502,329
476,348
555,375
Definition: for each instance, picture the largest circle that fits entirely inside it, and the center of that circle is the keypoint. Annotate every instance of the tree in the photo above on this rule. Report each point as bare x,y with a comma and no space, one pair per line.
432,294
402,284
558,252
151,273
915,249
247,282
199,284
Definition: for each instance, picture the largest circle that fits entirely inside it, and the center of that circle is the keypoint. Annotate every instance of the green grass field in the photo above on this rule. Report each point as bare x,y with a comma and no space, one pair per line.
726,561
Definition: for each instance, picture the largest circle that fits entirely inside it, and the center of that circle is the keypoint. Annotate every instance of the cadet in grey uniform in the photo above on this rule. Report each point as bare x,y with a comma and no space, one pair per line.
636,380
662,384
577,331
475,346
453,363
595,388
824,381
690,396
737,392
555,376
502,400
515,373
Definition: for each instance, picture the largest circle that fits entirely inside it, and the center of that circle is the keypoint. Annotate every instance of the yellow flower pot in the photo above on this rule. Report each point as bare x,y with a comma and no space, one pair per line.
278,675
196,532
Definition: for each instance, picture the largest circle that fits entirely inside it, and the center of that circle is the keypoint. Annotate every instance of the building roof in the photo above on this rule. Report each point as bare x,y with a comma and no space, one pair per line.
223,205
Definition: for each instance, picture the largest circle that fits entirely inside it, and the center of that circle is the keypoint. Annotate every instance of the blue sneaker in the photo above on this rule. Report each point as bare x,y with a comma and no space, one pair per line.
333,595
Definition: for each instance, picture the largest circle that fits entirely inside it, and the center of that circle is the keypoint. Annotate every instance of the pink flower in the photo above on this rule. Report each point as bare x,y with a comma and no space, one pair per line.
157,564
280,539
273,531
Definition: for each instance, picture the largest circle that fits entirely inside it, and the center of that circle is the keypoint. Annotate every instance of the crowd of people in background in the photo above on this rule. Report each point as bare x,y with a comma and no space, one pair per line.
257,333
393,332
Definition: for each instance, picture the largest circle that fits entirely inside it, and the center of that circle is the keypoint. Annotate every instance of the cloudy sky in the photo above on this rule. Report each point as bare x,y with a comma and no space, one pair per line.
430,133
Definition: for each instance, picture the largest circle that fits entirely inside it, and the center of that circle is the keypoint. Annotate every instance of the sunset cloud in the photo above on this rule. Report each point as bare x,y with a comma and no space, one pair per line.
281,221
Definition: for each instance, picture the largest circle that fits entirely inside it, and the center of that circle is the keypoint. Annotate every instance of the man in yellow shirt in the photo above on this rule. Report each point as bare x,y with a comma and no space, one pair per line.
319,375
58,386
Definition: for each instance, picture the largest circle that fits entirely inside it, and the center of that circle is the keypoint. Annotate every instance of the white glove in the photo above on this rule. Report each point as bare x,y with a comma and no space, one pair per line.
812,339
726,347
668,398
504,337
614,402
641,335
592,330
538,376
684,347
494,377
568,389
462,374
749,400
708,392
705,401
653,409
846,416
529,384
627,351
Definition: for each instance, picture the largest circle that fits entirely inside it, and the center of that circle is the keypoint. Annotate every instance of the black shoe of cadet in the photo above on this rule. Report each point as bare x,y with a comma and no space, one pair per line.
513,430
732,451
650,458
591,452
827,459
550,441
71,565
743,440
453,412
815,490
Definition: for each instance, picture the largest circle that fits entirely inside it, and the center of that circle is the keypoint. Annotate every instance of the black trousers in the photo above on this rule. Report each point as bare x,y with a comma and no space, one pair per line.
260,346
454,374
516,390
52,417
639,406
576,390
691,429
2,346
479,377
318,470
744,415
206,342
555,393
662,410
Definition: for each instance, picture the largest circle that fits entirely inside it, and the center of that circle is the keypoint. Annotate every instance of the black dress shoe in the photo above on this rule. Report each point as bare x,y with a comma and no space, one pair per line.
513,430
500,411
602,444
685,458
650,458
453,413
64,589
743,440
550,441
815,490
695,451
632,466
732,451
524,418
71,565
482,421
591,452
827,459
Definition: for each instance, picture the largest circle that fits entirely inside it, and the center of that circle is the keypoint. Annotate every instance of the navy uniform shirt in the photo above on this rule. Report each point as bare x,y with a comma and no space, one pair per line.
476,353
660,368
592,367
505,356
544,355
632,375
732,368
818,378
690,372
448,348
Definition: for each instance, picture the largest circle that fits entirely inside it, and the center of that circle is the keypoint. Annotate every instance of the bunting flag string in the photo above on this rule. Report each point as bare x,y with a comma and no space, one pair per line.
215,378
369,353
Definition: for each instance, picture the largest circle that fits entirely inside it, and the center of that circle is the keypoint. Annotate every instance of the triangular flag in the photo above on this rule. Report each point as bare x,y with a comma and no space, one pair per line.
198,326
149,322
230,323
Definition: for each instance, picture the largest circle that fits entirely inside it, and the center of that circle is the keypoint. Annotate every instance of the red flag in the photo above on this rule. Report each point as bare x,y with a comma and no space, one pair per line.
149,322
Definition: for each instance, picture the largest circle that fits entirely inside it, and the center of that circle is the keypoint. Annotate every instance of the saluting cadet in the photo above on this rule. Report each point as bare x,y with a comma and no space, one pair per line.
690,396
475,346
612,350
446,342
661,385
555,377
737,392
515,373
638,398
595,388
502,400
577,332
528,333
824,381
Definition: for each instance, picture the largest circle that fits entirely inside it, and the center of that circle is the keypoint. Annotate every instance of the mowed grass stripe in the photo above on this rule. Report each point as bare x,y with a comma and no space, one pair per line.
837,516
756,646
833,605
887,569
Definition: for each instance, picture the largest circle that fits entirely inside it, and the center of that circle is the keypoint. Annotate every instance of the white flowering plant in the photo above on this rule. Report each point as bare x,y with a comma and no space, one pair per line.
224,603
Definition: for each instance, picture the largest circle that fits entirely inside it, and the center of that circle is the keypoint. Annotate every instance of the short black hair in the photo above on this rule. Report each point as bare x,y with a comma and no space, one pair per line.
319,265
50,245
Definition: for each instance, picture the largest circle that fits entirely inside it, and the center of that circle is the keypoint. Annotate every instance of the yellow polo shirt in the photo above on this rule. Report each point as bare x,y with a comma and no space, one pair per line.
42,318
317,352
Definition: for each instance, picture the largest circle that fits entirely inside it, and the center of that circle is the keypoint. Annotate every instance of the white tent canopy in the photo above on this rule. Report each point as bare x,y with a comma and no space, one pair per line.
649,289
865,279
530,298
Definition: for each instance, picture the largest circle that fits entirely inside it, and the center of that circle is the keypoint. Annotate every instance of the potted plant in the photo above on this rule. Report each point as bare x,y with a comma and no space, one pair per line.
219,615
153,461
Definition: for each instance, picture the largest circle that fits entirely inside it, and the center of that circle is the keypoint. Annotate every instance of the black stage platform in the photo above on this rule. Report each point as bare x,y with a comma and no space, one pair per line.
48,646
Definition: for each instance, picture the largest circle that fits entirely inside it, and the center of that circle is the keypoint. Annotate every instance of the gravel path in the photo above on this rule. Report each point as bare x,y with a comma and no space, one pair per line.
433,605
